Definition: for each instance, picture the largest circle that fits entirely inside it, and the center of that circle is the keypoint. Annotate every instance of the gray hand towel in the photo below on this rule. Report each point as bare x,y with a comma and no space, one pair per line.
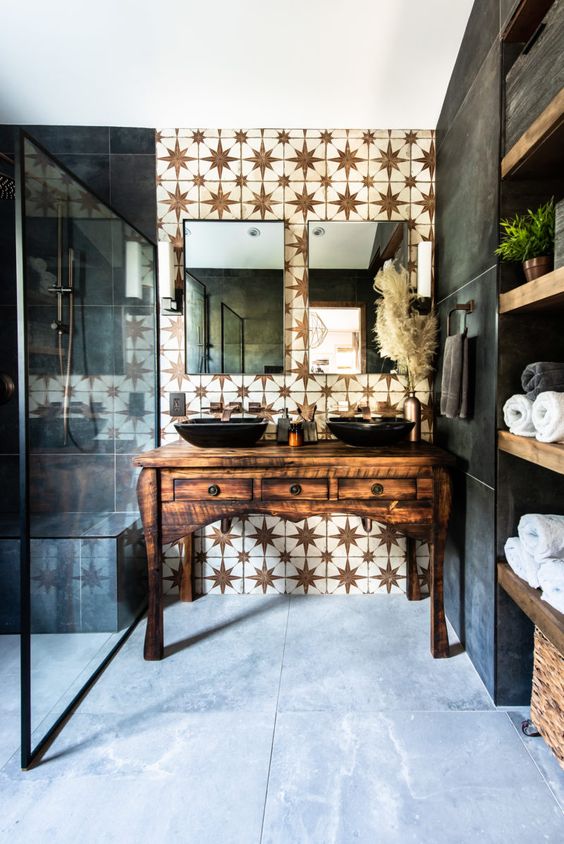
454,387
542,376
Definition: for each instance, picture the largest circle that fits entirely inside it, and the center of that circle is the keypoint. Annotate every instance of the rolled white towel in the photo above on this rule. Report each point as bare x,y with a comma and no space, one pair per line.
551,579
542,535
548,417
522,563
518,416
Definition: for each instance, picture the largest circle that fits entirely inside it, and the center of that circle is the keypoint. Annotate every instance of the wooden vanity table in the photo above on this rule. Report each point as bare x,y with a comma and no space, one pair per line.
182,488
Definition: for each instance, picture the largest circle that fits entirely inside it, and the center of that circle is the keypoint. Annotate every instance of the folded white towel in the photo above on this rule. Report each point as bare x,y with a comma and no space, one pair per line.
548,417
522,563
518,416
542,535
551,579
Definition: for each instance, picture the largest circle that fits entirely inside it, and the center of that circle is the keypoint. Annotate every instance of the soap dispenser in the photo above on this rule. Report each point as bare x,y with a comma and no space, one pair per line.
283,428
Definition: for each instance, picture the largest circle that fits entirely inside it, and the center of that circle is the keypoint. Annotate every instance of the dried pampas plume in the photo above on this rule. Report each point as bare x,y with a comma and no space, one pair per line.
403,334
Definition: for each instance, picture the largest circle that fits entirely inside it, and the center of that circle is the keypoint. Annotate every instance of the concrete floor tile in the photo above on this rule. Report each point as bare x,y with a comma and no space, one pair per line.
360,653
395,779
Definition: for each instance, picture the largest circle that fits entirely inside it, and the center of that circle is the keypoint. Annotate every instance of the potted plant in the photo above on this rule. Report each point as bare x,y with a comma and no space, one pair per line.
529,238
404,335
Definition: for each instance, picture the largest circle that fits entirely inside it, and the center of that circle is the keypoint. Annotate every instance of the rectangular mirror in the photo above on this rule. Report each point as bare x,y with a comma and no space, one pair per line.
234,297
343,260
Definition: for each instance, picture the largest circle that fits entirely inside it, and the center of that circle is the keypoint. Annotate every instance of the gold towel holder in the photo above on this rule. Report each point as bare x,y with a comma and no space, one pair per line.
466,307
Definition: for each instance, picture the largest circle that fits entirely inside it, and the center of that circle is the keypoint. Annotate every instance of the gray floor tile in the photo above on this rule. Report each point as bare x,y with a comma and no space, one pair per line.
542,755
220,654
442,777
365,653
175,777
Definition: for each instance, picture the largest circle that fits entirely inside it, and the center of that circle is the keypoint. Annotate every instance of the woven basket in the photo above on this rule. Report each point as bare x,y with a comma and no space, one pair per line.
547,699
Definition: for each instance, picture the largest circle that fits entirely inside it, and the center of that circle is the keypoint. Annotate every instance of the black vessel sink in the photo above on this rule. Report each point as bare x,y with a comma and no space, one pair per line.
208,432
365,433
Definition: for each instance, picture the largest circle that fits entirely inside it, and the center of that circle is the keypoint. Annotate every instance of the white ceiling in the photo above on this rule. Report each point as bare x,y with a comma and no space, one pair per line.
243,63
229,245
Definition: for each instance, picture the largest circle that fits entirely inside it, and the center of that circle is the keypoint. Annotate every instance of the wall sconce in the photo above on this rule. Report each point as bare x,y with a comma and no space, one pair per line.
424,269
171,298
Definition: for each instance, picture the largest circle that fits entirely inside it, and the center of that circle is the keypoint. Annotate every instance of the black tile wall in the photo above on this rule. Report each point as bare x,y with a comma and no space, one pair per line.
80,140
473,439
132,141
481,32
133,189
468,146
467,183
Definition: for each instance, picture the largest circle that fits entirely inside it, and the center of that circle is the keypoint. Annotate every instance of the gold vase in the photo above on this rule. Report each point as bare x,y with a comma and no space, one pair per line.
412,413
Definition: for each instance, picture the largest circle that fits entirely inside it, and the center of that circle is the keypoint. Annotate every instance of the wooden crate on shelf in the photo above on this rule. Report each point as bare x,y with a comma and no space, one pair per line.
547,699
536,77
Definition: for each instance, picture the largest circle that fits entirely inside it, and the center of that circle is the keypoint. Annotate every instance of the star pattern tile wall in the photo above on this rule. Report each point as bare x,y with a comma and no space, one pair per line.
294,175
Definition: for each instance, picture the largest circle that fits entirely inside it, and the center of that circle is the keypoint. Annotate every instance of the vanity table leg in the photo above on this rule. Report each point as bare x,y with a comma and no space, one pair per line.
413,585
186,590
148,494
441,513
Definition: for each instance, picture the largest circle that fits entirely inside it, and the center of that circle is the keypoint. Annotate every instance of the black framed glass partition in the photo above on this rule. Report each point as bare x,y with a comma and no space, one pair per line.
88,398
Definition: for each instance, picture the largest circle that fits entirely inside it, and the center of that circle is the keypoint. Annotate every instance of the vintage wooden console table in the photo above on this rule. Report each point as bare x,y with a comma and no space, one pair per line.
182,488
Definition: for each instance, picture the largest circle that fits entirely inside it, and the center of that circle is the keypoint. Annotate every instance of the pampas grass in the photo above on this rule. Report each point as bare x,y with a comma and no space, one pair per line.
403,334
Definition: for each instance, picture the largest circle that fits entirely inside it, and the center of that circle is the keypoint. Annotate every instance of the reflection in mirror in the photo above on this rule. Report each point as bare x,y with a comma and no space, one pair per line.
343,260
234,297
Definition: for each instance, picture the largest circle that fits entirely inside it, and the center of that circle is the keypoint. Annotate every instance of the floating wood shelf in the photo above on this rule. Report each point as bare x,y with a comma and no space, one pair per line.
545,617
525,19
540,150
548,455
544,292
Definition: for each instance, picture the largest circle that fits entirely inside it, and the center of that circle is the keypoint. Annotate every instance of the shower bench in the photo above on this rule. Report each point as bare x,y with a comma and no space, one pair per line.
182,488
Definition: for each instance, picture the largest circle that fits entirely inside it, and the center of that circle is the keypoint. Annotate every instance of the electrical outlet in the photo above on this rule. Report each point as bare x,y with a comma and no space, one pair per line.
177,404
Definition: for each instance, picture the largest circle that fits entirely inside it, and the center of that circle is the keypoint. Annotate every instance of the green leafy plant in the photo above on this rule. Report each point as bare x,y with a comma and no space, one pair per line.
529,235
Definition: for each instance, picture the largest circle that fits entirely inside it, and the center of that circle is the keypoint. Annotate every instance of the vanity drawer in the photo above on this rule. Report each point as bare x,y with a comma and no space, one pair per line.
213,489
294,488
377,488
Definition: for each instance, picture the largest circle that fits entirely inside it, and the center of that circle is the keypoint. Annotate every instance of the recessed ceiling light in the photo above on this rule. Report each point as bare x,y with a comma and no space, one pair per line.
187,232
253,232
319,231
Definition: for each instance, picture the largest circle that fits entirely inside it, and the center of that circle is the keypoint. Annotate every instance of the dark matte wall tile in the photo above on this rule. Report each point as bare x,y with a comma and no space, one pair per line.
7,253
8,135
9,429
133,191
470,573
481,32
473,440
93,170
72,483
514,653
467,184
9,488
72,139
132,141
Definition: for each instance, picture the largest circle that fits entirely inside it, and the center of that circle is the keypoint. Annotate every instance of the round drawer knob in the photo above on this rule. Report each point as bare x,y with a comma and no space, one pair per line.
377,489
213,490
295,489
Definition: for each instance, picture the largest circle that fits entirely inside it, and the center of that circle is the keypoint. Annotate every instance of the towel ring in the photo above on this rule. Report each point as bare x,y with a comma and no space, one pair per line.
467,308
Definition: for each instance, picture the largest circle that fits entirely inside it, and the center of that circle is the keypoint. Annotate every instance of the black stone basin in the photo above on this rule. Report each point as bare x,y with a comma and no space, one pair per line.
365,433
208,432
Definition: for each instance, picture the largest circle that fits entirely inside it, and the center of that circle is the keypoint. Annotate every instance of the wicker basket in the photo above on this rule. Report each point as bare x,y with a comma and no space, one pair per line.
547,699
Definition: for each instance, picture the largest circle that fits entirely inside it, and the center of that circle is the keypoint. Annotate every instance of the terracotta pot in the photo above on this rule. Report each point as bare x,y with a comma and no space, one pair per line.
412,413
535,267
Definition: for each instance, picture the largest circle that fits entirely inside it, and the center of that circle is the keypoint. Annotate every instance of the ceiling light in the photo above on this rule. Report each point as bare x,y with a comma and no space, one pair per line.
187,231
319,231
253,232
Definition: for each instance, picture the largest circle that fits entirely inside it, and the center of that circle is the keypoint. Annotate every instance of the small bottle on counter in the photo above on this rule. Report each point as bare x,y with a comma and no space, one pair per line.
296,434
283,428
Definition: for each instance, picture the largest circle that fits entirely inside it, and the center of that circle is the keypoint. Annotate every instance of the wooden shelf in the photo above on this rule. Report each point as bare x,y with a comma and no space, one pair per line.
544,292
547,455
540,150
525,19
545,617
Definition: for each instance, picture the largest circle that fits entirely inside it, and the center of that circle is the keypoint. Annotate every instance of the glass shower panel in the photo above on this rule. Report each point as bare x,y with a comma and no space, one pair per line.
89,288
